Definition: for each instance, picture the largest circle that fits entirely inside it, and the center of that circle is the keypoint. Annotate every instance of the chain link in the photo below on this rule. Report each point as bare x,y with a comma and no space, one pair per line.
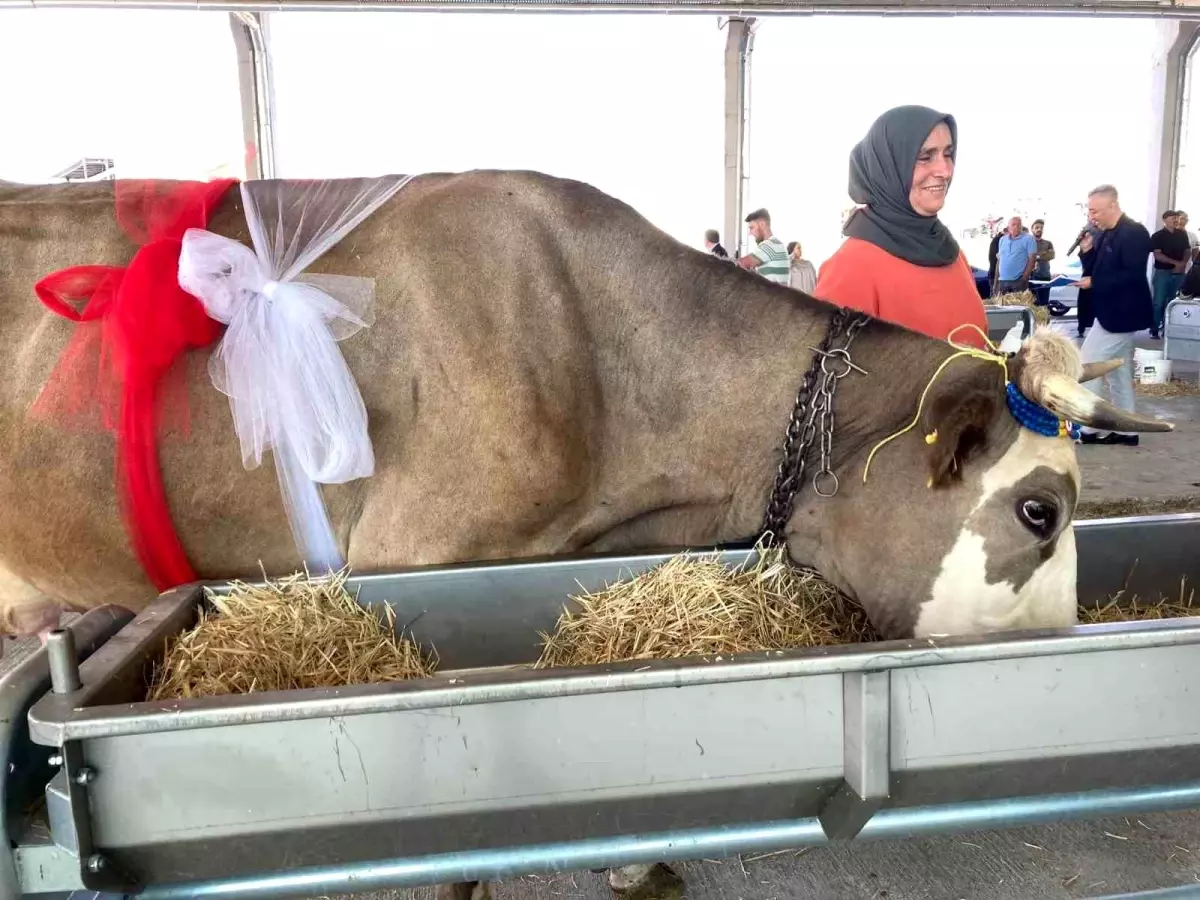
812,417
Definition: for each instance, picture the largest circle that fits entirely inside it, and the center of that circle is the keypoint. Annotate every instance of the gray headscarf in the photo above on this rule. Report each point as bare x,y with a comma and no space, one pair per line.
881,169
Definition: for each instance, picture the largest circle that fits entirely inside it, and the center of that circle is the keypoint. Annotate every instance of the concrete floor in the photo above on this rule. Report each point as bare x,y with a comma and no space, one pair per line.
1071,860
1075,860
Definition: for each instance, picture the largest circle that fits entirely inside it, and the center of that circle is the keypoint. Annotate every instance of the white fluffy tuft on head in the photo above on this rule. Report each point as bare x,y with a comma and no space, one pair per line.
1048,353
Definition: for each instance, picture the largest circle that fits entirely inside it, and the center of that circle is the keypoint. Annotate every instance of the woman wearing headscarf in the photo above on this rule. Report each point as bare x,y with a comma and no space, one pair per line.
899,262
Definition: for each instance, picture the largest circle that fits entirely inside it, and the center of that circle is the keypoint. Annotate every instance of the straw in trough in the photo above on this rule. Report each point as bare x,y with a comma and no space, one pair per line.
696,606
299,632
302,632
1136,609
1041,314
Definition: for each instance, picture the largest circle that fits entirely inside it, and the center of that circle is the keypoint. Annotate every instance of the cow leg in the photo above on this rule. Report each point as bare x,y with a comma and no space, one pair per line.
464,890
641,882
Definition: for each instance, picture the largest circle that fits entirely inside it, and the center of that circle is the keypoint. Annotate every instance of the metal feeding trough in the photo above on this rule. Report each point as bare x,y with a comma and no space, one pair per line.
491,768
1002,318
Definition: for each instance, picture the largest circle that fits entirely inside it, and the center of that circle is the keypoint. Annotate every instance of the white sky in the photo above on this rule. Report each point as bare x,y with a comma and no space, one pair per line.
631,104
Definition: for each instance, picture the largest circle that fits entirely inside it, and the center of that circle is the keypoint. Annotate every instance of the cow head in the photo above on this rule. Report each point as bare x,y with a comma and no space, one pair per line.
963,524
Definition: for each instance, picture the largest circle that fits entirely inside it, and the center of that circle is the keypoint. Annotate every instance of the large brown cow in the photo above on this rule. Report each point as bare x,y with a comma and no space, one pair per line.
549,373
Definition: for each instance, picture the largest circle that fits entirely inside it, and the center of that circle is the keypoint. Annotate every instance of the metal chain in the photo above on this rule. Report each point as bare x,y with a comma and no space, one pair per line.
811,418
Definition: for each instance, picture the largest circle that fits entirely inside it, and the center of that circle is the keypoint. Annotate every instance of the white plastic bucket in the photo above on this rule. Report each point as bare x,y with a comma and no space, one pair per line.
1149,367
1141,357
1156,372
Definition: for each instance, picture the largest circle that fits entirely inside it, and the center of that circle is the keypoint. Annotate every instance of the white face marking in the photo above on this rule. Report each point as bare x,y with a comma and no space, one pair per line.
1028,452
963,602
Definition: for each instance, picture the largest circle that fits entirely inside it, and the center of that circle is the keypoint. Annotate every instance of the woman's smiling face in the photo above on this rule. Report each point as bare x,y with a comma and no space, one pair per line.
933,172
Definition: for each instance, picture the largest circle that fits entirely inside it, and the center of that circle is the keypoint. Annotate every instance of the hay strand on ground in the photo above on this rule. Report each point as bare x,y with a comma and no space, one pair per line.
296,633
1103,509
1041,314
1173,388
696,606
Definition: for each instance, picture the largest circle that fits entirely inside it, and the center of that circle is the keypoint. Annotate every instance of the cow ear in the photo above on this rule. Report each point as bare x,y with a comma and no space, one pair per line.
957,423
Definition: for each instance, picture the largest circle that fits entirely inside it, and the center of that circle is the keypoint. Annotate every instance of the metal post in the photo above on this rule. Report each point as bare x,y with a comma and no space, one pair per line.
867,734
1176,113
256,86
739,42
64,663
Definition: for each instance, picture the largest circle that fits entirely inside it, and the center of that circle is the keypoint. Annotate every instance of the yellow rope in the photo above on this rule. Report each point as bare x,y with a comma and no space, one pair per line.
992,354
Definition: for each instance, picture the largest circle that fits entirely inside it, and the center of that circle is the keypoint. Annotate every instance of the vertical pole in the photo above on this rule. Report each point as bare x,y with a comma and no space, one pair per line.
739,42
64,662
1176,114
256,86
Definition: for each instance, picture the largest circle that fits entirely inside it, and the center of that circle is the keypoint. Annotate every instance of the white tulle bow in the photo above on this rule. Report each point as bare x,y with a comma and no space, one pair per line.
289,388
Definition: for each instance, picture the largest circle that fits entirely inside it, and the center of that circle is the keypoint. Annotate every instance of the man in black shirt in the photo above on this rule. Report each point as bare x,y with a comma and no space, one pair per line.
1041,266
993,260
1115,274
1171,252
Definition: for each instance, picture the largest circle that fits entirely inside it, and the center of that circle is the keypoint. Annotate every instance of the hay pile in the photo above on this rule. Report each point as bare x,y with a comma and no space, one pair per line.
297,633
1041,314
1136,609
695,606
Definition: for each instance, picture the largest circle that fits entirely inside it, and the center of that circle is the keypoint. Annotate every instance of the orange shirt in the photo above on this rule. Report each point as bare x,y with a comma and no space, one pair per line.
931,300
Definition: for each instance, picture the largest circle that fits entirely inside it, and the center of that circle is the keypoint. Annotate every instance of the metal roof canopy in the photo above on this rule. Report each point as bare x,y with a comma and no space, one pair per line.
1175,9
88,167
249,21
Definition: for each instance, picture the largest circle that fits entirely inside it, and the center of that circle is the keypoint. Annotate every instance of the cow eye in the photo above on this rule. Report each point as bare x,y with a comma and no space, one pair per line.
1039,516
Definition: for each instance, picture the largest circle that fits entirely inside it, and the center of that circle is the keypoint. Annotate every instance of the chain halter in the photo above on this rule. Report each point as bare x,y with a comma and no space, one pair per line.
812,417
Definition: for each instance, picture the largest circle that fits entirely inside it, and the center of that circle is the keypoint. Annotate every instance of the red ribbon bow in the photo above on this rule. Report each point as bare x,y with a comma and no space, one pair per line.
135,324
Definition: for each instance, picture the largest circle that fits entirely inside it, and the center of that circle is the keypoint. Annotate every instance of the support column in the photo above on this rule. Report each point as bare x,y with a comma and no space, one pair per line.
1170,72
739,43
257,89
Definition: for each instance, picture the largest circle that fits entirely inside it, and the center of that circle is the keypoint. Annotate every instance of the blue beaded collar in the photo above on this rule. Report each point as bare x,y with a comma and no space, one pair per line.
1033,416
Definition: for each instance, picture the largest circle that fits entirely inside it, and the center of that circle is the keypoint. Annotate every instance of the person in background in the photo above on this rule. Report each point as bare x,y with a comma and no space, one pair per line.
899,261
1083,303
1041,261
1119,299
1171,254
1193,240
769,258
1191,284
712,243
993,258
1015,259
802,275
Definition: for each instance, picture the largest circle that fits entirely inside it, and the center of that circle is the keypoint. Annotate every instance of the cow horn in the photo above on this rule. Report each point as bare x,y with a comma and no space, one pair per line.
1099,369
1063,395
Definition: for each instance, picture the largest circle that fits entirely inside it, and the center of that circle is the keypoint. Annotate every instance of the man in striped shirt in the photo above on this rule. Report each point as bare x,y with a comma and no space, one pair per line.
769,258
